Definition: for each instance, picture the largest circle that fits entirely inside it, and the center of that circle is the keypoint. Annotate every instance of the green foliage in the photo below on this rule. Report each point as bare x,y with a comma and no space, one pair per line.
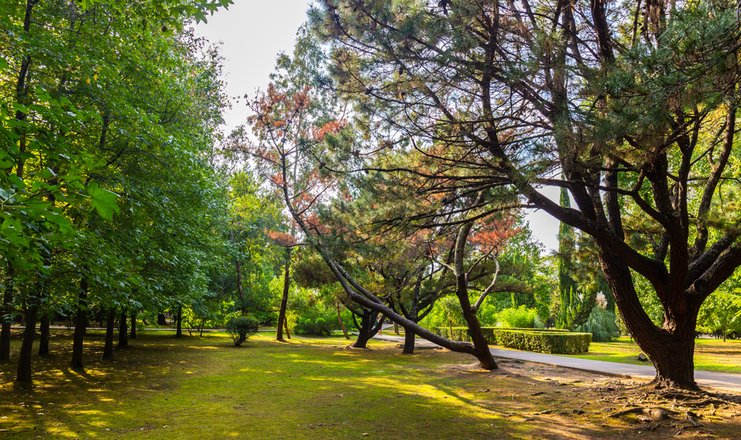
240,328
317,322
601,324
520,317
544,341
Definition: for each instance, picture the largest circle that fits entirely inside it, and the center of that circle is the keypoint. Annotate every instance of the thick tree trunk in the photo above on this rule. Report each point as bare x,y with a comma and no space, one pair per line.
6,318
80,327
284,299
24,373
108,347
132,335
409,338
369,326
45,331
179,328
671,348
123,332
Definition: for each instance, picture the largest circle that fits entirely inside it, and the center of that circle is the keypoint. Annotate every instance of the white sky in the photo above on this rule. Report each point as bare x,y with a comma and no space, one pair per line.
252,34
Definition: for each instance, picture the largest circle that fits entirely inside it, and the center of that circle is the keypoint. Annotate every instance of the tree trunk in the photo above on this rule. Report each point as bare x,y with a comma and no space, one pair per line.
481,346
285,327
132,335
45,335
671,348
284,299
80,327
240,289
108,347
24,373
369,326
6,318
123,332
161,320
179,329
409,337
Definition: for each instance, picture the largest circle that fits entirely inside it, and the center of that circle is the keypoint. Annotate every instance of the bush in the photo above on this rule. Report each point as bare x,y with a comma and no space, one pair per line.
559,342
241,327
520,317
601,324
315,322
461,333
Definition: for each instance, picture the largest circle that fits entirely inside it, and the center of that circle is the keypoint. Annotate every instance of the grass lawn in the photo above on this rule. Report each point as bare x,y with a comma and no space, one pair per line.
710,354
316,388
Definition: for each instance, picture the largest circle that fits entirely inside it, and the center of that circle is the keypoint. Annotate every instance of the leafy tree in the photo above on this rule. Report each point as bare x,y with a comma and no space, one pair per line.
635,112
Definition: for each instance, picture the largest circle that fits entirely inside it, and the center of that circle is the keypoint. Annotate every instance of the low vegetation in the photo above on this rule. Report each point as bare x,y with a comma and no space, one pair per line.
163,387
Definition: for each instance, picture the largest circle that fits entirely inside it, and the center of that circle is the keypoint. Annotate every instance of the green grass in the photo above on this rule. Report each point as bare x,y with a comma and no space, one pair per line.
314,388
710,354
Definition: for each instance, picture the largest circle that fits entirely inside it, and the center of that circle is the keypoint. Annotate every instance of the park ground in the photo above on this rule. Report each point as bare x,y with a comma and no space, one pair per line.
167,388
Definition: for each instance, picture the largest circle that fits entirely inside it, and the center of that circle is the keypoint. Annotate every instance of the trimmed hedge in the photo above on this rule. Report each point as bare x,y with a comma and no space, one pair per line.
557,341
544,341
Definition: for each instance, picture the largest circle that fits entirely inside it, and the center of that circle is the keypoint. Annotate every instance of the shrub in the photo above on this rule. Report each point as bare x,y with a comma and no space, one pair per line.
559,342
520,317
461,333
316,322
240,328
601,324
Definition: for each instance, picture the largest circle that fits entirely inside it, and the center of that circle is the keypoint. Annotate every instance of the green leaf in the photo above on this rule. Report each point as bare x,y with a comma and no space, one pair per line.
104,202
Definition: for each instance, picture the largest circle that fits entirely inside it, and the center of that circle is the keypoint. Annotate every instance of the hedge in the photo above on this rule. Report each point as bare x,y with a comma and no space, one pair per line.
558,341
544,341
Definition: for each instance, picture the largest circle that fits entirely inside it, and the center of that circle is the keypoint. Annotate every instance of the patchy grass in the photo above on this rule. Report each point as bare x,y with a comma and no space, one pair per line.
710,354
163,388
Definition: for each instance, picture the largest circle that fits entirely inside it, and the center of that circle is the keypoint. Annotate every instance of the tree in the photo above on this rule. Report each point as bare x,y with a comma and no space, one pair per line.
635,114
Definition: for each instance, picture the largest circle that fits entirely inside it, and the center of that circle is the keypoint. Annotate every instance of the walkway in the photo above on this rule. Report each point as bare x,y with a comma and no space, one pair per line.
725,381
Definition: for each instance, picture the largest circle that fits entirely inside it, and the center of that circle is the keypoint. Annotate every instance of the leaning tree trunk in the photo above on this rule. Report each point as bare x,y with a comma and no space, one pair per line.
123,335
480,344
24,372
44,329
108,347
284,299
80,327
369,326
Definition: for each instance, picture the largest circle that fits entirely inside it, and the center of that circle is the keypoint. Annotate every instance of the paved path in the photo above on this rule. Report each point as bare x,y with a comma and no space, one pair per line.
726,381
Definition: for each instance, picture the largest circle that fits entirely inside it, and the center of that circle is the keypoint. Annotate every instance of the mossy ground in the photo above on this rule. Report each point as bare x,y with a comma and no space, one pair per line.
317,388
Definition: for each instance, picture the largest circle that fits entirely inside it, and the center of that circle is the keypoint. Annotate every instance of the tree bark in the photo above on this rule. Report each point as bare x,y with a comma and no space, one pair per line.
409,338
108,347
123,332
284,299
24,373
671,347
132,335
240,289
80,327
179,329
45,335
369,326
6,318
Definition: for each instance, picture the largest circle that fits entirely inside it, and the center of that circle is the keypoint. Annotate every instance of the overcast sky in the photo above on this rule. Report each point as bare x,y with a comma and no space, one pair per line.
253,33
